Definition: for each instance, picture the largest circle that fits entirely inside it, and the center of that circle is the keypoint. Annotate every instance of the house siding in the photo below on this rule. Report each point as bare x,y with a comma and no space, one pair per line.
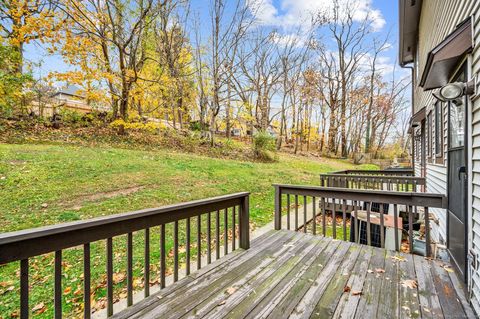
437,20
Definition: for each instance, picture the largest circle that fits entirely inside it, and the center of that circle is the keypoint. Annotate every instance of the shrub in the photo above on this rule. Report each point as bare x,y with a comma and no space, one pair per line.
264,146
121,126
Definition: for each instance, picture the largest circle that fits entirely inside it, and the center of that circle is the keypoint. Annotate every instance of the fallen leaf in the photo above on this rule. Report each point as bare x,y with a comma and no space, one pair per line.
380,270
67,290
346,289
44,205
448,268
38,307
398,258
11,288
370,271
356,292
118,277
221,303
409,283
231,290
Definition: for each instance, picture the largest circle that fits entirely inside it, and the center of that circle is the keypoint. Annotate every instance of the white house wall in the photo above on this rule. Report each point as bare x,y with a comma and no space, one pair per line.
438,19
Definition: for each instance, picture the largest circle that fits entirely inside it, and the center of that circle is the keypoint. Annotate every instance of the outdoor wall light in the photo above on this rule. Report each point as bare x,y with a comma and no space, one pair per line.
453,91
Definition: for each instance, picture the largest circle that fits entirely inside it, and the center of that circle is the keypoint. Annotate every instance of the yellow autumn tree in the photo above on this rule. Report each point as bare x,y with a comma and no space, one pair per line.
24,21
112,34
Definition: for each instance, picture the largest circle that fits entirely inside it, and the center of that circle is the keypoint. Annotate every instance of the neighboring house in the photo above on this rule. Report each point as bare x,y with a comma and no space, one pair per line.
71,98
439,41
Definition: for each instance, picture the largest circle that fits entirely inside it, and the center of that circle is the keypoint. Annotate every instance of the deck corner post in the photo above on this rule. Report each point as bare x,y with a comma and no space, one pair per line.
427,233
278,207
244,223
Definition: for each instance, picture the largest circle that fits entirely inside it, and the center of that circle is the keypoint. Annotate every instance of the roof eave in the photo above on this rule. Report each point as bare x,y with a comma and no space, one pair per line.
408,10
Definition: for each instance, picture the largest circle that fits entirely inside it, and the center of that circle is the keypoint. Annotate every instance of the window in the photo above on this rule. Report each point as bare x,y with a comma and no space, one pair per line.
456,109
429,136
439,132
457,125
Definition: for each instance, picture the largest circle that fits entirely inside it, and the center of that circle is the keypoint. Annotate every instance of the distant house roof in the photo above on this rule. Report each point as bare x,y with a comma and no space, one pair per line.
71,90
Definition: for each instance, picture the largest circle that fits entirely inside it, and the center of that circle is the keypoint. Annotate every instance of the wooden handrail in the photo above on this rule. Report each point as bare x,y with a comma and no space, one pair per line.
348,202
25,244
392,171
381,182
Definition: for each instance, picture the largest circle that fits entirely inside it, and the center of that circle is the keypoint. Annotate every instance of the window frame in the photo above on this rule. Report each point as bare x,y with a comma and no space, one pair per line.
429,146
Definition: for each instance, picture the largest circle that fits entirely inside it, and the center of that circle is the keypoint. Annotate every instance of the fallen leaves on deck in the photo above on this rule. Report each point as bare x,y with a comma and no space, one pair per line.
410,283
231,290
398,258
346,289
356,292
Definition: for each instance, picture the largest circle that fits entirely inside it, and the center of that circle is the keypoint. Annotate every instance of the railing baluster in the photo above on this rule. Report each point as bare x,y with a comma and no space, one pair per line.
334,219
58,285
199,242
146,271
175,251
324,231
225,232
24,307
296,212
288,211
209,241
217,235
344,212
410,227
129,269
187,248
86,281
234,229
109,277
304,214
369,235
314,217
427,232
395,225
382,227
163,263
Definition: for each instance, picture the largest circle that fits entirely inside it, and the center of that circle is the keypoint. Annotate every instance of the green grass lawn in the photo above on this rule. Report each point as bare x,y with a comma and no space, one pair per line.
42,184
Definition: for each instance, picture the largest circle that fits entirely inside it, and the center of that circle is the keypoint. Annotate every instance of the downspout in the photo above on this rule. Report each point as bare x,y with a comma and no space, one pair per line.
413,111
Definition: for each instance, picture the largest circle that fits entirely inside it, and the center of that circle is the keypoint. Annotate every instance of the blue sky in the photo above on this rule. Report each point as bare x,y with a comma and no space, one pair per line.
278,13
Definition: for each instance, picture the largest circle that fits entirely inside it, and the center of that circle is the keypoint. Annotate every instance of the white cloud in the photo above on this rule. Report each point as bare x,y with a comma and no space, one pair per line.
298,13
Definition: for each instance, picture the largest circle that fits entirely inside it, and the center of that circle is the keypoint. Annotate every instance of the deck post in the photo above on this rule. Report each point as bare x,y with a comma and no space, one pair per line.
244,223
278,207
427,233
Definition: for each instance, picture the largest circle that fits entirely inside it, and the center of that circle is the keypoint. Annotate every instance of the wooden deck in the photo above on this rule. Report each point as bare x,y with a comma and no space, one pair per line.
288,274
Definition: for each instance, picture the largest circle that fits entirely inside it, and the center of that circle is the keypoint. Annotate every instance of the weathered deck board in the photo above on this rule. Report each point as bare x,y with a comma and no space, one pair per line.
288,274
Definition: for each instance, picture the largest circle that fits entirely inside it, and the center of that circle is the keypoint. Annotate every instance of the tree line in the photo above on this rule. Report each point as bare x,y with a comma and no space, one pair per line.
321,86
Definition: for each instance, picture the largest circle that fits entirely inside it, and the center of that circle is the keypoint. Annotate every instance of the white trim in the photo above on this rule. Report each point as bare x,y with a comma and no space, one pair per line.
468,110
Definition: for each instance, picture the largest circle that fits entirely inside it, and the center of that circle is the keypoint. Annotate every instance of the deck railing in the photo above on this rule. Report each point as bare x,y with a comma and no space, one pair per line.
25,244
354,213
379,182
380,172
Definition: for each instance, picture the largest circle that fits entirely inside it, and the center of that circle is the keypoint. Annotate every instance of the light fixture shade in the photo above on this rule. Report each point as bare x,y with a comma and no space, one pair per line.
452,90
